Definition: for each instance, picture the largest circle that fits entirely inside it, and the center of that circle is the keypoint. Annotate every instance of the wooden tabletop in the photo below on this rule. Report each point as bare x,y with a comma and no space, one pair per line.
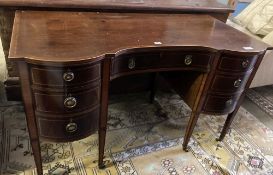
74,36
130,5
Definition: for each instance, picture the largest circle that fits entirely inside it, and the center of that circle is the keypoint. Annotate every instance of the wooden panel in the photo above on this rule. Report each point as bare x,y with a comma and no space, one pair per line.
185,83
54,102
55,130
125,5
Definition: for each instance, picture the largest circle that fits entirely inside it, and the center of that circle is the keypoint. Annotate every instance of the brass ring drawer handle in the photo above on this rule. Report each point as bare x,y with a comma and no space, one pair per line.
70,102
131,63
229,102
71,127
245,63
237,83
188,60
68,76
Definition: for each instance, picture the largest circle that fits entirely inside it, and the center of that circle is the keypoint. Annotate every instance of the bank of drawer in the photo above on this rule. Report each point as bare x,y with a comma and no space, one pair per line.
229,83
220,104
74,128
67,103
133,62
65,76
233,63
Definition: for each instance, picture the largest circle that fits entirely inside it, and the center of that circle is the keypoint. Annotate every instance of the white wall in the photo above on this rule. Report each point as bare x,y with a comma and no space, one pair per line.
3,69
223,1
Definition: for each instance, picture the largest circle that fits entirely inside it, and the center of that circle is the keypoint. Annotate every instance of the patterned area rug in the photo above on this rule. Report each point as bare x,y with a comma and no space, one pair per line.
144,139
263,97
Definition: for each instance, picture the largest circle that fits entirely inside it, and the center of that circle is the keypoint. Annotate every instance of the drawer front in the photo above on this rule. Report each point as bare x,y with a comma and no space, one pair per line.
69,129
133,62
229,83
220,104
237,63
72,102
66,76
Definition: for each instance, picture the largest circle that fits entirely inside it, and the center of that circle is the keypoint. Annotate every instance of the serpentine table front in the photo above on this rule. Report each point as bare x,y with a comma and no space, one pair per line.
70,58
8,8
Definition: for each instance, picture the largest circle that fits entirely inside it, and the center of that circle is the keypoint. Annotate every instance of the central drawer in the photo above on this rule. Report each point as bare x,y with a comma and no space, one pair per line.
146,61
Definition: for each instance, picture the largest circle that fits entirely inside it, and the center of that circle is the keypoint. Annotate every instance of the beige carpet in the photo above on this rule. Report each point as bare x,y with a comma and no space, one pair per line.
144,139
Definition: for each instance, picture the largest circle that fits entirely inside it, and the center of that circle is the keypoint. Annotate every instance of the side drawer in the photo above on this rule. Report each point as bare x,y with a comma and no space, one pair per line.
233,63
67,103
219,104
65,76
229,83
72,129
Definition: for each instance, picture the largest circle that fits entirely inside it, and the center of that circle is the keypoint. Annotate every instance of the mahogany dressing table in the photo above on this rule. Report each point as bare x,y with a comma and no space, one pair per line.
70,58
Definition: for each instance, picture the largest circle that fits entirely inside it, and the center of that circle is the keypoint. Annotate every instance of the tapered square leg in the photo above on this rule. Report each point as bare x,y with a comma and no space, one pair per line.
190,127
227,124
104,109
102,135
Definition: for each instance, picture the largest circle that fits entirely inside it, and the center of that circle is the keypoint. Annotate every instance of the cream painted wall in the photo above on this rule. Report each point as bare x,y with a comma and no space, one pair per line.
223,1
3,70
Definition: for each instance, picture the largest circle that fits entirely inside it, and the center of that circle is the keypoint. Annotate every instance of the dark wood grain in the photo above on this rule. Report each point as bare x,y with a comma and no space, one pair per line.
30,115
69,37
106,65
132,5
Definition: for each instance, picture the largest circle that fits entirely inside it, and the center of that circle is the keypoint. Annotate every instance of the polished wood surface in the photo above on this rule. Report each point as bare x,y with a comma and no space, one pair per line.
68,37
70,60
132,5
8,8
